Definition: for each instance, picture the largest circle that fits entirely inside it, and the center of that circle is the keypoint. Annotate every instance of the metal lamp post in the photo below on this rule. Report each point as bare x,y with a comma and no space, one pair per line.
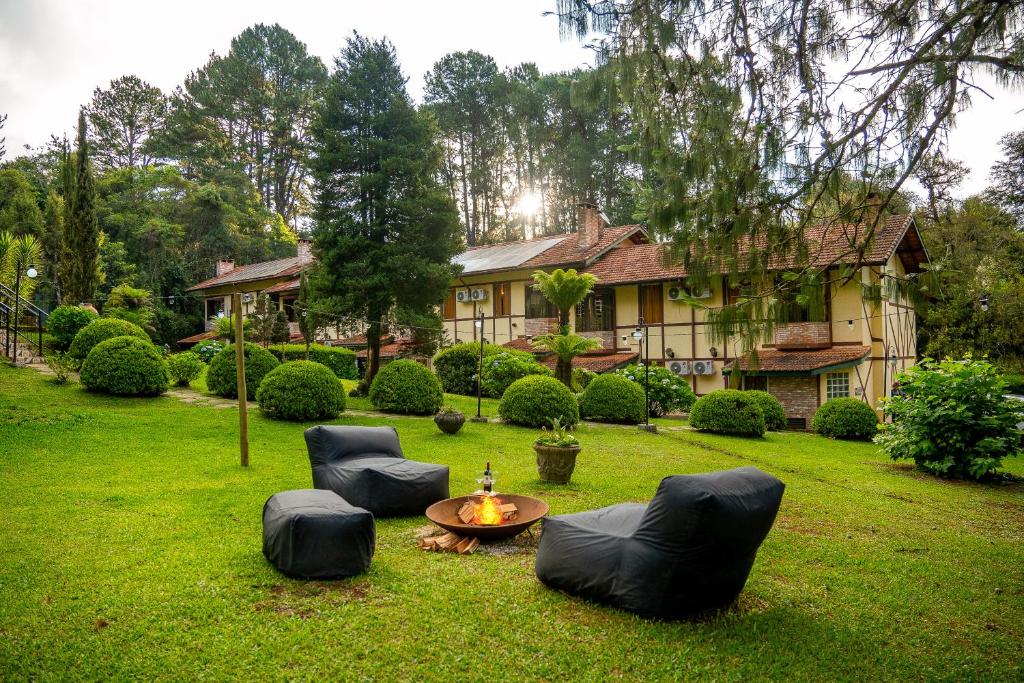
31,273
640,334
479,323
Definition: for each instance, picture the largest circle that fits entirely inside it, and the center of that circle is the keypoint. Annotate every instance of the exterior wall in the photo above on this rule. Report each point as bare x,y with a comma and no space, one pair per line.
798,395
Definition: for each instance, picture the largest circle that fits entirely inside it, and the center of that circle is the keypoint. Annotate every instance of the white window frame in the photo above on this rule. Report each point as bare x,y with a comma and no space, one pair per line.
836,382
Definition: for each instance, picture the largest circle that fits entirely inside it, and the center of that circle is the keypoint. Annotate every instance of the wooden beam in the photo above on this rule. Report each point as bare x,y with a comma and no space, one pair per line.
243,409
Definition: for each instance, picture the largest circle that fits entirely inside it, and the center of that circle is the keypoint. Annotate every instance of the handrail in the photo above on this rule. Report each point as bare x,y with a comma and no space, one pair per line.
25,303
5,309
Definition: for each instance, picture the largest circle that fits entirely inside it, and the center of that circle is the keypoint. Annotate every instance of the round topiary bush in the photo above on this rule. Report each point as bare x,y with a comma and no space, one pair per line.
405,386
774,414
125,366
456,366
102,330
668,391
64,322
728,411
301,390
613,398
846,418
536,401
222,377
184,367
501,369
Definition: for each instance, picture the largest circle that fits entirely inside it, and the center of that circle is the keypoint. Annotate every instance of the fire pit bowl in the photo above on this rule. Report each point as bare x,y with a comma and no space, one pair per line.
444,513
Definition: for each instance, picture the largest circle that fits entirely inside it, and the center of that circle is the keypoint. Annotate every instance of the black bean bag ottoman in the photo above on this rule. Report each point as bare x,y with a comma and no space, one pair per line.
690,550
366,467
313,534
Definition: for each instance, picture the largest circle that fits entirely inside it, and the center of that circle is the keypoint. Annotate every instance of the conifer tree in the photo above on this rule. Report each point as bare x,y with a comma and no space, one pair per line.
81,229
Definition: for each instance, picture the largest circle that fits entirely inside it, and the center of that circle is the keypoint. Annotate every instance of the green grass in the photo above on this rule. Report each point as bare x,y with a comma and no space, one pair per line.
131,548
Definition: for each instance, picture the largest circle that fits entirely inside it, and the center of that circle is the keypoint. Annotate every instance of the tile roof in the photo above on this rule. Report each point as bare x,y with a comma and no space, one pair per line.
196,338
360,340
520,344
286,286
598,362
770,361
568,253
395,350
254,271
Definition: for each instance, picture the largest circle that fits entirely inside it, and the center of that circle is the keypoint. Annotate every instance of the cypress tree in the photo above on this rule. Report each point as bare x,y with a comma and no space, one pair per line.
81,229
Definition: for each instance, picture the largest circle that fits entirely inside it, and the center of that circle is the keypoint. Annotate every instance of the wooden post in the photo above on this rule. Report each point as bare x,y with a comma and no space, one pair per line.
243,410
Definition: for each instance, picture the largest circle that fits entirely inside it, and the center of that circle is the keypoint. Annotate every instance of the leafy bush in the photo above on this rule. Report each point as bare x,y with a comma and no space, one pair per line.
184,367
208,349
64,322
728,411
846,418
668,391
774,414
952,419
126,366
581,377
537,401
1014,383
222,377
301,390
501,369
405,386
456,366
341,361
101,330
60,365
613,398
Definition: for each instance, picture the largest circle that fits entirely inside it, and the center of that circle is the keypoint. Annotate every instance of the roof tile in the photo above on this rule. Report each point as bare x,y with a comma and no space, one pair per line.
814,362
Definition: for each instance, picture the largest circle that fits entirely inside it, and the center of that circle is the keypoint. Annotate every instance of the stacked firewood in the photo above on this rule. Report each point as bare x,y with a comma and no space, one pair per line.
450,543
467,512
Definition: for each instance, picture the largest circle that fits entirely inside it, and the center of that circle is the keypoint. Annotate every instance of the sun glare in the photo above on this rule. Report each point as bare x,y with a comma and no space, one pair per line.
528,203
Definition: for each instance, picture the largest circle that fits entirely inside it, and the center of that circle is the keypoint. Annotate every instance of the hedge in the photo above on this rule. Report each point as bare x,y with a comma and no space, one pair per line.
405,386
100,330
222,377
846,418
501,369
774,413
340,360
64,322
613,398
668,392
301,390
125,366
456,366
728,411
536,401
184,367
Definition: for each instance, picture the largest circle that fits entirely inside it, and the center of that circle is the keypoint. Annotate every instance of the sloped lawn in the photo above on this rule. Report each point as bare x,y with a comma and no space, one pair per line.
130,544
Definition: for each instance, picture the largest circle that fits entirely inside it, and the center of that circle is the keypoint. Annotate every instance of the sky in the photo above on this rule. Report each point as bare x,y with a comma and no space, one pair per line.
53,53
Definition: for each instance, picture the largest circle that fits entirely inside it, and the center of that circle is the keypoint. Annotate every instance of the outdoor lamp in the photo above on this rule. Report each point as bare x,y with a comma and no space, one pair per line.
670,353
984,303
713,351
638,333
32,272
849,324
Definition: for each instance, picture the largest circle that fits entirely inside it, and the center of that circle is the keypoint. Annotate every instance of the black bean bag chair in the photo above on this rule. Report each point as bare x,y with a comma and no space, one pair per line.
314,534
690,550
366,467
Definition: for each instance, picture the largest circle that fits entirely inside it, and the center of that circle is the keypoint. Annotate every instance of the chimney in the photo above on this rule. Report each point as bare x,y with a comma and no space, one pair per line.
224,265
305,250
591,223
872,208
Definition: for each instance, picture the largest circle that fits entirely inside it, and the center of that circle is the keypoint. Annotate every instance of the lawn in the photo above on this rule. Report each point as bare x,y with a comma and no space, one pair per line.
131,549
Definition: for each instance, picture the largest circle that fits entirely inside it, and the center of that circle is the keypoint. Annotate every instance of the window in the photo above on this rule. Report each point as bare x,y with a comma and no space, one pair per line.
810,311
288,304
449,305
503,299
652,304
596,313
537,306
214,306
755,383
837,385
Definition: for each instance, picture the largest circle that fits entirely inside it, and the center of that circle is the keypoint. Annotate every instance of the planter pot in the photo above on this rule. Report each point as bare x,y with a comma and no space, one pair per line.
449,423
556,464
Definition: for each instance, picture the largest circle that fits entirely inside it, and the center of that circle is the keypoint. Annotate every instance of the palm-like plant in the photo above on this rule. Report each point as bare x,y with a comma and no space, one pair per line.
16,255
564,289
565,347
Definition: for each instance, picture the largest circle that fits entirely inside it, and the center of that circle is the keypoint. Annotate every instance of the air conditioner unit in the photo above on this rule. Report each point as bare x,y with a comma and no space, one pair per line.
703,367
247,298
680,291
679,367
462,296
703,294
479,294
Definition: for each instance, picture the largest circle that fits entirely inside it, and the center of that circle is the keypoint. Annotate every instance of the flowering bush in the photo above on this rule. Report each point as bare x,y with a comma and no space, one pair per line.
208,349
501,369
668,391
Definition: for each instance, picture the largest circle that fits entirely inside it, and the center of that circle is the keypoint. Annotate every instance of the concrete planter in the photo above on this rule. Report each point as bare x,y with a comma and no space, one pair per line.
556,464
450,423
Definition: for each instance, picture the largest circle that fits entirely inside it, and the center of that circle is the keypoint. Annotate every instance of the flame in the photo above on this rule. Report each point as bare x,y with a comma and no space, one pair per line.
487,511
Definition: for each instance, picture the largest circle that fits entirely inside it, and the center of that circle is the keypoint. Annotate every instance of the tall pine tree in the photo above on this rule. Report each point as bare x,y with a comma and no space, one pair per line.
81,230
385,230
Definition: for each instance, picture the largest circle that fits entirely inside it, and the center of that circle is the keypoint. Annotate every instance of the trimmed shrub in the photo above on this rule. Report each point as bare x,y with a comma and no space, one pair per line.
222,377
125,366
536,401
64,322
405,386
99,330
341,361
184,367
581,377
301,390
613,398
207,350
501,369
845,418
668,391
456,366
728,411
774,414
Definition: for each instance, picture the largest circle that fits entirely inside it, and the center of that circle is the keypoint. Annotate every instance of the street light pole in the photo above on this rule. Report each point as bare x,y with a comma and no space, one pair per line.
642,335
31,273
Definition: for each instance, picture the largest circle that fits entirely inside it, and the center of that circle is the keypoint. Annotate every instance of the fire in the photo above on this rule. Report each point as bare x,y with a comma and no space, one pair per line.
488,511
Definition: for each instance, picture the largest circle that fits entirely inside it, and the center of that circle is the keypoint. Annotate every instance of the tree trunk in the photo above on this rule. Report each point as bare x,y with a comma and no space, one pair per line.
563,372
373,333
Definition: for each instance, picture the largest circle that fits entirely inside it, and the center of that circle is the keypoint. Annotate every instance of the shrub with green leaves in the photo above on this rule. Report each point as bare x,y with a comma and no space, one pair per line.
613,398
125,366
952,419
100,330
340,360
301,390
728,411
581,377
456,366
536,401
207,350
774,413
501,369
846,418
64,322
1014,383
668,391
222,376
405,386
184,367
